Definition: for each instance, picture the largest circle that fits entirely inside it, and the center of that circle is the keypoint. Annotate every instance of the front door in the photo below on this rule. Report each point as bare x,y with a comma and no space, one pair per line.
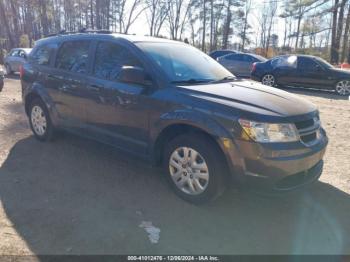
311,74
117,112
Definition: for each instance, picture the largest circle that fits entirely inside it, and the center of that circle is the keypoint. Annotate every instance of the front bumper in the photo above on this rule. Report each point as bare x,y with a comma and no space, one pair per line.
281,167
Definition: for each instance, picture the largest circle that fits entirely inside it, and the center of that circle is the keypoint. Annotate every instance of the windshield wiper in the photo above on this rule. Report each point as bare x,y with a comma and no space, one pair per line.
226,78
191,81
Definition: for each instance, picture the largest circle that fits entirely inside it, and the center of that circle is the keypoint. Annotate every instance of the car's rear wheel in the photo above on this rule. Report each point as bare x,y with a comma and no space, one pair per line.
8,69
39,120
268,80
343,87
195,168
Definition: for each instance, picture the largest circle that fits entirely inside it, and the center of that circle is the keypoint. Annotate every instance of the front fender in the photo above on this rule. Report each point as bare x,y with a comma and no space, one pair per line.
190,118
207,124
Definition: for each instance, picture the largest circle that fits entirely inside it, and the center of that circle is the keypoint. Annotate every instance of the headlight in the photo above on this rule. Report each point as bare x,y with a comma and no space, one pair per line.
268,132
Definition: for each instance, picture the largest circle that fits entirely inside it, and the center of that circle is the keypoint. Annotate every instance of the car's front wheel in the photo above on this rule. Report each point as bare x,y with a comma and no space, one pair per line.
195,168
268,80
39,120
343,88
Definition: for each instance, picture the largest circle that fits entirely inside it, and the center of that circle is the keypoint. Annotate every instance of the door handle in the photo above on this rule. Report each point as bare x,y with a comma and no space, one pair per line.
94,88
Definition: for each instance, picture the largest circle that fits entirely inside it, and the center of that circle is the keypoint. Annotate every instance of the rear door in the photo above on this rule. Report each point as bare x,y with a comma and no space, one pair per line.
117,112
68,79
284,70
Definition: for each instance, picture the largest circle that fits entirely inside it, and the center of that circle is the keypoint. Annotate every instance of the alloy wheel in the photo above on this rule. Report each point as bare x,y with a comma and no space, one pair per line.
343,87
268,80
189,170
38,120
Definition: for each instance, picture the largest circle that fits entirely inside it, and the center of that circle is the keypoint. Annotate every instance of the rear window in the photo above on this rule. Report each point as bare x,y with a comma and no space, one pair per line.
73,56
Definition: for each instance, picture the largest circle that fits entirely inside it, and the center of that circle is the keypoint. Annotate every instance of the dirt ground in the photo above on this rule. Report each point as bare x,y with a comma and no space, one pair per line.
75,196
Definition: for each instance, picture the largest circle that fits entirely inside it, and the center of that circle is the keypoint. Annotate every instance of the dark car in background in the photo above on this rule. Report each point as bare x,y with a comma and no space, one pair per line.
174,106
15,59
217,53
240,64
302,71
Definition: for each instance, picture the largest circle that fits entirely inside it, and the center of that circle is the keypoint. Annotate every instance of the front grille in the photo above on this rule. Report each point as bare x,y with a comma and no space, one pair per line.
308,130
304,124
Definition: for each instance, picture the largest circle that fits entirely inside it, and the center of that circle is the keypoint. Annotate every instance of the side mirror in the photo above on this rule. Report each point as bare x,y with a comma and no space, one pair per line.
134,75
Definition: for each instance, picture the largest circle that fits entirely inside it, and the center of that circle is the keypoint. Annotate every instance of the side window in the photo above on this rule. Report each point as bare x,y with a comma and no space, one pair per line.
235,57
305,63
41,56
285,61
247,58
73,56
14,53
110,58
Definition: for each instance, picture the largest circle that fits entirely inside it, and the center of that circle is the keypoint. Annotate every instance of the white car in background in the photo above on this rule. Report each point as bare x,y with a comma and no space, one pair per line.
15,59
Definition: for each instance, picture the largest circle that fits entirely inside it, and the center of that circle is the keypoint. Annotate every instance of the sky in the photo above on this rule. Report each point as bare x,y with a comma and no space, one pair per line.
140,27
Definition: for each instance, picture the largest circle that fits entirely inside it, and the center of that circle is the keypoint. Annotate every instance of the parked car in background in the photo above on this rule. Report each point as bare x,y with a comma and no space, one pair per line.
240,64
173,105
218,53
2,75
302,71
15,59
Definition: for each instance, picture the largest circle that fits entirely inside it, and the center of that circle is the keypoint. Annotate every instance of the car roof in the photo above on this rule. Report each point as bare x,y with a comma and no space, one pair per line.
297,55
224,50
99,36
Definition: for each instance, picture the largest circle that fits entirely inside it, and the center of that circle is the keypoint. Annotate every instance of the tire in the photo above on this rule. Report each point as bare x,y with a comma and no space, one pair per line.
209,163
40,121
343,87
8,69
268,80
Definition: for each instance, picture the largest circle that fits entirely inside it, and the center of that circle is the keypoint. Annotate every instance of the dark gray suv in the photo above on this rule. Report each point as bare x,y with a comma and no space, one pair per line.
174,106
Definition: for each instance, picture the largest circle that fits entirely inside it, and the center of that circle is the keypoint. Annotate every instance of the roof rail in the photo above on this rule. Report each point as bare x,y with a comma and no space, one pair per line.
81,31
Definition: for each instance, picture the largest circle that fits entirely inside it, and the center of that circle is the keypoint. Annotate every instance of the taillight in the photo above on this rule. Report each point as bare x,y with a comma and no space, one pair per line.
253,67
21,71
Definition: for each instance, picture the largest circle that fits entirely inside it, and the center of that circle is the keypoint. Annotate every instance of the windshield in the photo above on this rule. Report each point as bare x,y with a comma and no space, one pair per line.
183,63
324,62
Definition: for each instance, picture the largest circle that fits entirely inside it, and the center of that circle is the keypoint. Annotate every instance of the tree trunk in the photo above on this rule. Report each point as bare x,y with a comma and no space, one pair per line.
334,32
226,30
346,36
339,31
5,22
204,24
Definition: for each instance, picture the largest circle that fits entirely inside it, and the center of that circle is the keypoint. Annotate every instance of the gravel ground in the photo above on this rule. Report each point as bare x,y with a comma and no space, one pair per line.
75,196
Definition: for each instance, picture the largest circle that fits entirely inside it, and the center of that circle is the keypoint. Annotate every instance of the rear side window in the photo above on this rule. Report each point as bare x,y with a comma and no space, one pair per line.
235,57
247,58
110,58
73,56
285,61
41,56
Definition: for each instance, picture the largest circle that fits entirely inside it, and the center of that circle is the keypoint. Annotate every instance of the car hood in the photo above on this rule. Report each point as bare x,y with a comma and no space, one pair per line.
252,97
340,72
